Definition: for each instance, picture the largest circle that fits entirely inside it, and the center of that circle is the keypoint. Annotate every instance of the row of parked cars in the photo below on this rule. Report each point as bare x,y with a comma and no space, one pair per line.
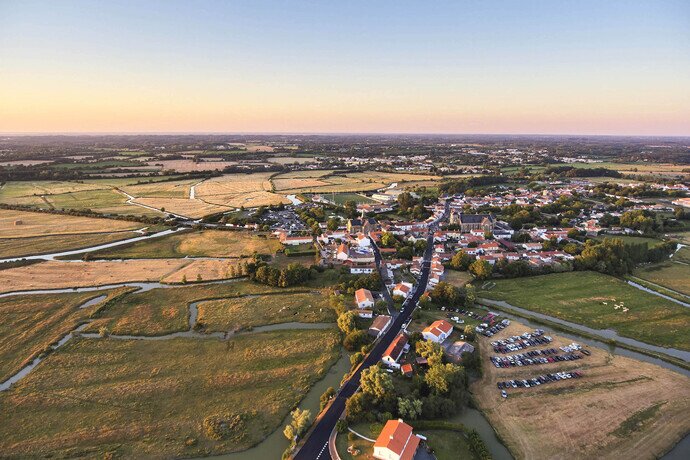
539,380
533,357
490,331
520,342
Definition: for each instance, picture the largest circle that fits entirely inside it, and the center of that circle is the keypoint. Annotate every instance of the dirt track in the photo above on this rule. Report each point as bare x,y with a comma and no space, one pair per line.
609,413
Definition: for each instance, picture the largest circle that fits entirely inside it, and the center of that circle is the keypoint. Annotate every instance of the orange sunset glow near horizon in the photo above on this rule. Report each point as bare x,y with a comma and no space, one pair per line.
619,68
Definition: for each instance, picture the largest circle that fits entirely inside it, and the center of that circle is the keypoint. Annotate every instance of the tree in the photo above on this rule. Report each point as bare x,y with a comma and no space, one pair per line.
346,322
326,397
355,340
470,295
332,224
430,350
388,240
461,261
356,406
439,377
409,408
301,419
469,333
376,383
481,269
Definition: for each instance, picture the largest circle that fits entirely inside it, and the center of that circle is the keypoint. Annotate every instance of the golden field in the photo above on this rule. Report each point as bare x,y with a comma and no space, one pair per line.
620,408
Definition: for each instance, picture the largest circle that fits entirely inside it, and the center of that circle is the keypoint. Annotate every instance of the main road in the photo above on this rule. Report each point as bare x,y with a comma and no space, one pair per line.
316,444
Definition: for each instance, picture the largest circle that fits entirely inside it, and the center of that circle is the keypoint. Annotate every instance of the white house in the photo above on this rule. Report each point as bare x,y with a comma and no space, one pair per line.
364,298
402,289
396,442
395,350
438,331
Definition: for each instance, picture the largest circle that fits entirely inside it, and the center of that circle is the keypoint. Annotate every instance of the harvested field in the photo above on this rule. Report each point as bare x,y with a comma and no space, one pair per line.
203,243
21,224
620,408
243,312
328,181
236,190
204,270
55,274
183,206
19,247
31,323
289,184
189,165
150,399
233,184
591,298
174,189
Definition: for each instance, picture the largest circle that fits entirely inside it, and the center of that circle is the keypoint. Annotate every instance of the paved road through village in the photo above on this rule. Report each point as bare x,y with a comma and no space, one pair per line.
316,445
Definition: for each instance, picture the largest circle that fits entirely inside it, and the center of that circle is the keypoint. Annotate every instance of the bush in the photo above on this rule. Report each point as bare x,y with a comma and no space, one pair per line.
222,426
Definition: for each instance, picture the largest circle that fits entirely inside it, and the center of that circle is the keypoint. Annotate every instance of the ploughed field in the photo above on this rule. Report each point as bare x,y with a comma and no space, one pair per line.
591,298
619,408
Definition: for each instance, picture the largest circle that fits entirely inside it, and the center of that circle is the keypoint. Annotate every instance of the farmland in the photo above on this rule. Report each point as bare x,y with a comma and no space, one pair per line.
328,181
650,318
206,243
155,396
670,274
18,247
55,274
165,310
620,408
241,313
31,323
248,190
21,224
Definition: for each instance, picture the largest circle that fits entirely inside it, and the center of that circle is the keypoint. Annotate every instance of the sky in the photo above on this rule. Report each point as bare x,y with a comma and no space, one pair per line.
336,66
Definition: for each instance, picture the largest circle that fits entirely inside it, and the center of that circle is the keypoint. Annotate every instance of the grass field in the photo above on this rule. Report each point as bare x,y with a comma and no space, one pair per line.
457,278
19,247
448,445
683,255
205,243
243,312
31,323
671,274
579,297
166,310
21,224
621,408
136,398
55,274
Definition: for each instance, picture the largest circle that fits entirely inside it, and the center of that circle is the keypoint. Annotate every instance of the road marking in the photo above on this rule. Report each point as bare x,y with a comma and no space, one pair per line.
321,452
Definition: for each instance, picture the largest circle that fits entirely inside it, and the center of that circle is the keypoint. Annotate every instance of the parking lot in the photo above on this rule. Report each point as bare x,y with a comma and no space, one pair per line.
520,342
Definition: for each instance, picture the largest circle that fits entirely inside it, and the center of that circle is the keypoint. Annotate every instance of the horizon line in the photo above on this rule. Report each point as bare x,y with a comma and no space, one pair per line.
320,133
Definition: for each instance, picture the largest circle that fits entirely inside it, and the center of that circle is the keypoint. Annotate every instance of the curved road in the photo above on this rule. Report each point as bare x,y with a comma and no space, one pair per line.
316,444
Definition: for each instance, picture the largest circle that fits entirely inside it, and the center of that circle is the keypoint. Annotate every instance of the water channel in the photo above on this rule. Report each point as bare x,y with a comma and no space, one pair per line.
604,334
55,255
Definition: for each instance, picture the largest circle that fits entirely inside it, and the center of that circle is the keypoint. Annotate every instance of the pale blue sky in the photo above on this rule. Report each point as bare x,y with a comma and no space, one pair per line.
377,66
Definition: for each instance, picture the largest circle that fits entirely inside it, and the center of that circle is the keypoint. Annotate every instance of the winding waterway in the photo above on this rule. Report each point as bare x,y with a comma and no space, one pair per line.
604,334
55,255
